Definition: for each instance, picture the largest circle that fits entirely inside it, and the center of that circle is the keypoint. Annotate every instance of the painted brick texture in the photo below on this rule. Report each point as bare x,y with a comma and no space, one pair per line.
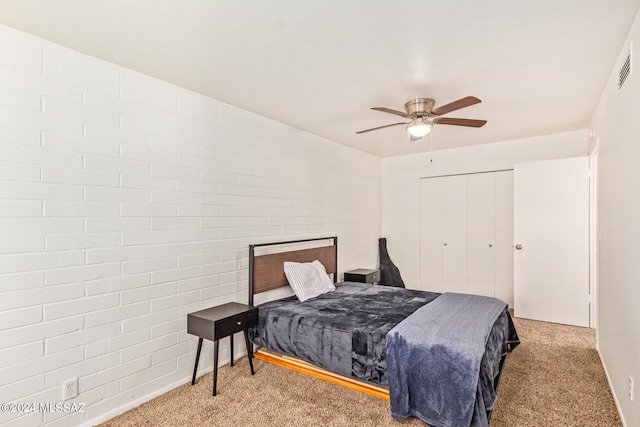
126,203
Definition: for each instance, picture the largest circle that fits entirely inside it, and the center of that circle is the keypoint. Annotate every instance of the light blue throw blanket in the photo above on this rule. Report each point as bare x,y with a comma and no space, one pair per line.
434,357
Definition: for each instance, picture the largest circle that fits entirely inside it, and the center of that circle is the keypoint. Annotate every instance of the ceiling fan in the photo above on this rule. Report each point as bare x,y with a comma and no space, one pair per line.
423,116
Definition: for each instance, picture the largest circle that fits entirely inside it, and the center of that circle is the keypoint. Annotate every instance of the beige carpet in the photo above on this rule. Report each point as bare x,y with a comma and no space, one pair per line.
554,378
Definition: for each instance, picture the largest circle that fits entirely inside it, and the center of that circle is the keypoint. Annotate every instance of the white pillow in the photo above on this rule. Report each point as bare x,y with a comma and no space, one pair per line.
308,279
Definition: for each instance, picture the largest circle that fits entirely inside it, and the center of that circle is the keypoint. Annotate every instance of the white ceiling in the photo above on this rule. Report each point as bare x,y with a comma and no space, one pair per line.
538,66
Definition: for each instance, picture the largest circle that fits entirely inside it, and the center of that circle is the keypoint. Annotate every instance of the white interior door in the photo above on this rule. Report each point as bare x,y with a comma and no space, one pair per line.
454,232
551,234
431,234
480,245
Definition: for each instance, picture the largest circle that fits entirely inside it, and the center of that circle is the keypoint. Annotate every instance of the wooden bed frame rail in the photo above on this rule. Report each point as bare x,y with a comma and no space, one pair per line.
313,371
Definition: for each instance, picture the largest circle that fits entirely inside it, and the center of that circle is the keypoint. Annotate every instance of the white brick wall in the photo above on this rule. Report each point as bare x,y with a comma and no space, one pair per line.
126,203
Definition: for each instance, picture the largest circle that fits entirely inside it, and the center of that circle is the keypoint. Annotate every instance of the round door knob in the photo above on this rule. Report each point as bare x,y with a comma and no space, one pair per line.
518,246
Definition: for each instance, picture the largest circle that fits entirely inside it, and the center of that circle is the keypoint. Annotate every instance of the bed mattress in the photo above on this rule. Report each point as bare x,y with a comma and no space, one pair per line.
341,331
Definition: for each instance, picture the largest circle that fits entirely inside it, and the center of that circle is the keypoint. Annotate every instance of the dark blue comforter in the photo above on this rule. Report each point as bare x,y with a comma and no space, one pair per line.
345,331
341,331
435,372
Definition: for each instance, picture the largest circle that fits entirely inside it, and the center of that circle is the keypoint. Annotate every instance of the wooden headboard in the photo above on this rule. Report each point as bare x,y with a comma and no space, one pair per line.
266,272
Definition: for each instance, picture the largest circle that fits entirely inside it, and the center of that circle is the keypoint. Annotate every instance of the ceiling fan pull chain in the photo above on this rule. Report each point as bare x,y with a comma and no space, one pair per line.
431,147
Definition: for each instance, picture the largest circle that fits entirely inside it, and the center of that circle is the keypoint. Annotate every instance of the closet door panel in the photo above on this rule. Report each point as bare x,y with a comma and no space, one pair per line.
504,236
454,232
480,236
431,234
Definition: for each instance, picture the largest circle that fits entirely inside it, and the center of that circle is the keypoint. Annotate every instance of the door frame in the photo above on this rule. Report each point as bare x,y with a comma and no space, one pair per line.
594,235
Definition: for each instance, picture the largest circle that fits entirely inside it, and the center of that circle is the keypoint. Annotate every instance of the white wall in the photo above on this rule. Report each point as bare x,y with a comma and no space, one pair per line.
617,128
401,184
126,203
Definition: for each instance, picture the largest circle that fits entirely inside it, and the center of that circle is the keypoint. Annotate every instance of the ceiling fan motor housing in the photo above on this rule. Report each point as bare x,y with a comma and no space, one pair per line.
419,105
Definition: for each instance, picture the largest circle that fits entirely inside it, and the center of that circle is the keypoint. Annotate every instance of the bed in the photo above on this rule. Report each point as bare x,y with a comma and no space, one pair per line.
376,339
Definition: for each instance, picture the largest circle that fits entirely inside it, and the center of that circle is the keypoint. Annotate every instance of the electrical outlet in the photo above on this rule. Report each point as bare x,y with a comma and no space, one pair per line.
70,389
630,388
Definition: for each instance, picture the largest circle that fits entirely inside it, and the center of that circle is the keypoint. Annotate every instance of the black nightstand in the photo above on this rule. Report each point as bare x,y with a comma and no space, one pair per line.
363,275
219,322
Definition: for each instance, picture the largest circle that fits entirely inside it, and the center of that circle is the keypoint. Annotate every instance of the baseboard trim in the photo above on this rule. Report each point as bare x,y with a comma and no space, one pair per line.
130,405
147,397
615,398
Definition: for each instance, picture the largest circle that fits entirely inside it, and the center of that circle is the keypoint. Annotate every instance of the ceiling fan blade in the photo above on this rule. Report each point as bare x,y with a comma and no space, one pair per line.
382,127
455,105
389,110
461,122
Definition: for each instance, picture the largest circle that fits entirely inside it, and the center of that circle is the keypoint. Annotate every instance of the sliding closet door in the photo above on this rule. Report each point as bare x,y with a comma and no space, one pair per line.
480,220
466,234
454,232
431,234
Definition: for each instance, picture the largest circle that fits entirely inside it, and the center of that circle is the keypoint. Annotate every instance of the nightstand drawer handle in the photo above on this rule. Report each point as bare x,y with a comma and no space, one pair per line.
239,323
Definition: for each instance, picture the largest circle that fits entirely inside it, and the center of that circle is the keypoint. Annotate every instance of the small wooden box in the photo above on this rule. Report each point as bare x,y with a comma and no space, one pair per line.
363,275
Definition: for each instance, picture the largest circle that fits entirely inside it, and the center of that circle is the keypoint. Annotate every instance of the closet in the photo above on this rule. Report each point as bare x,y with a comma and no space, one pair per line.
466,234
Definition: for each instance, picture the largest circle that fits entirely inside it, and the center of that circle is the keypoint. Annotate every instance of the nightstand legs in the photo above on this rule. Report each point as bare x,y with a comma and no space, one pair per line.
249,349
195,368
215,358
215,365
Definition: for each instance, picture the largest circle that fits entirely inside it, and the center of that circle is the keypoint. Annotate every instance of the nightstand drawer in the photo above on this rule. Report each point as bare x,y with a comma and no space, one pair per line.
236,323
218,322
362,275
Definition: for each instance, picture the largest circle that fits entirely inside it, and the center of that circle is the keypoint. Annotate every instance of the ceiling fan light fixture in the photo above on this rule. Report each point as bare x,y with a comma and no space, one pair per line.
418,129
